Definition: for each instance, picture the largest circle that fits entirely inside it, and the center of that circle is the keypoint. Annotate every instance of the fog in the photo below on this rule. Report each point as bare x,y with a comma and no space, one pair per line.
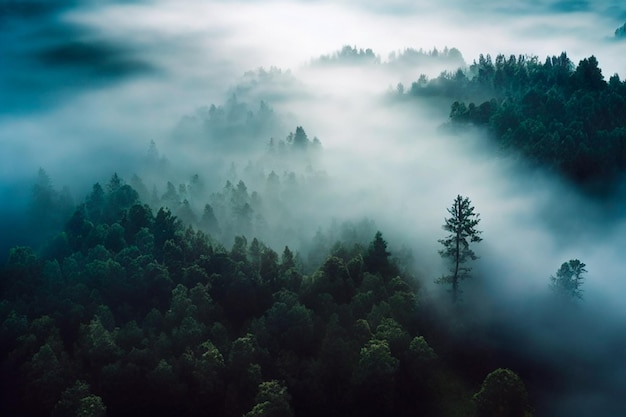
90,87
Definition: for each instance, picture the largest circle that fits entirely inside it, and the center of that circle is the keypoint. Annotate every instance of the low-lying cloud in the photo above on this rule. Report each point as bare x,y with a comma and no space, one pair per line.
381,159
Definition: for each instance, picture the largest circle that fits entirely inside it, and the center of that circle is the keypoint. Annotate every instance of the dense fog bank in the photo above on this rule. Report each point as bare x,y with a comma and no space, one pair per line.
284,119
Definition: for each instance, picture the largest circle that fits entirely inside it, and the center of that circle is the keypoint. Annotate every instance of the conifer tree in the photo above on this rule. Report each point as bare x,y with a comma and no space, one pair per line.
569,278
462,227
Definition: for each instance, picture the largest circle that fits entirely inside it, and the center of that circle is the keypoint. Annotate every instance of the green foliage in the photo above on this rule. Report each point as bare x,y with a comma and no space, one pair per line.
91,406
421,351
125,301
273,400
394,334
462,228
375,363
377,256
77,400
502,394
558,115
291,326
98,345
374,379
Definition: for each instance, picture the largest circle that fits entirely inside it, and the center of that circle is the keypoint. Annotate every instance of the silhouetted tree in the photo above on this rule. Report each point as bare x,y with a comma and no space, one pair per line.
377,256
48,209
300,138
94,203
165,226
208,221
569,278
462,227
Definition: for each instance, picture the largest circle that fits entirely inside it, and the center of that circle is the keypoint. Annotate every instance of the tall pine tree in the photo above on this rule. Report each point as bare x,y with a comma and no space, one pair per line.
462,227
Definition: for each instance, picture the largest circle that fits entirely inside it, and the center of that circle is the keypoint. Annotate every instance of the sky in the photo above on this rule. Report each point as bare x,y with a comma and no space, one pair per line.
91,85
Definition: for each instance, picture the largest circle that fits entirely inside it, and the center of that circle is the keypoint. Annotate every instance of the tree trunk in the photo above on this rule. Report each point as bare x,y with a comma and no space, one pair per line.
455,278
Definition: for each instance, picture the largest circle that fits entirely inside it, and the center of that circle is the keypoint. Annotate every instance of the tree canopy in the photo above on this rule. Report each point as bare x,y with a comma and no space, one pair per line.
502,394
558,115
125,300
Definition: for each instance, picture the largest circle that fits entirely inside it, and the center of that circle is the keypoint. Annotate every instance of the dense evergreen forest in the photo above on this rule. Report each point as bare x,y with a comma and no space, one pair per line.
125,312
312,208
159,297
561,116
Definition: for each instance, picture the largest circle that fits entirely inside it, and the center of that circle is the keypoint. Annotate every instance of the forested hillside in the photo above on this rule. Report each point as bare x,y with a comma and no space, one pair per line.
170,285
312,208
561,116
125,312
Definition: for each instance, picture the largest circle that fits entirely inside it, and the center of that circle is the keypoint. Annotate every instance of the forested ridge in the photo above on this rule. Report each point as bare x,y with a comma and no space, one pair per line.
178,294
561,116
126,312
312,208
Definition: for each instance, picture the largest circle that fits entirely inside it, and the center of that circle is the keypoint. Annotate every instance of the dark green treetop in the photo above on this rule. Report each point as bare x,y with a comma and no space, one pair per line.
502,394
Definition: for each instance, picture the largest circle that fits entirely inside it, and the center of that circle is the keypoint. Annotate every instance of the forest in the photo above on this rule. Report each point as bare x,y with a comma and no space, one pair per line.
123,300
134,290
299,209
558,115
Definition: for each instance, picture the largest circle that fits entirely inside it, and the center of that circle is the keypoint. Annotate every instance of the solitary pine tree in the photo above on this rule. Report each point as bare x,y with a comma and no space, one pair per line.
569,278
462,227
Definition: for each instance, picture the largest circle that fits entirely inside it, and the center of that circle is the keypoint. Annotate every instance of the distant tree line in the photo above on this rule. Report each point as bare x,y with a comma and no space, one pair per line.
561,116
410,57
235,127
261,198
350,55
416,57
